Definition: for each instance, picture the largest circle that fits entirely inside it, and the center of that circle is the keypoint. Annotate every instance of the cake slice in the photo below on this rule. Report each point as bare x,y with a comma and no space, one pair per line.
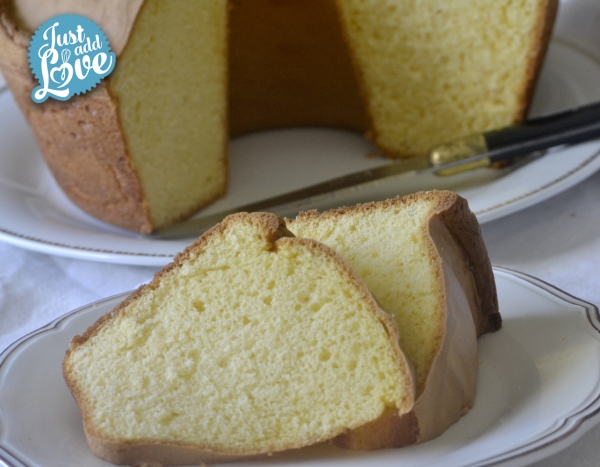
250,342
424,260
147,146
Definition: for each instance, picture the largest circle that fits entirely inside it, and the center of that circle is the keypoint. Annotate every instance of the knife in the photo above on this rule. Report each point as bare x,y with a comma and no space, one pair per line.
460,155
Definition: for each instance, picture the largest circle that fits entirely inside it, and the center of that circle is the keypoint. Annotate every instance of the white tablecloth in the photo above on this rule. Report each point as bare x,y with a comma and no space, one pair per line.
557,241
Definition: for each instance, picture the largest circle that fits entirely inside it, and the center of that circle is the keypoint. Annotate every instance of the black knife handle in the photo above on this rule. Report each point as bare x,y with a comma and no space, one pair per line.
568,127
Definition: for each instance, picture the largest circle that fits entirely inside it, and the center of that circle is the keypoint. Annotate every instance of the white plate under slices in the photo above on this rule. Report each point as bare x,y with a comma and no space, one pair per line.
538,391
35,214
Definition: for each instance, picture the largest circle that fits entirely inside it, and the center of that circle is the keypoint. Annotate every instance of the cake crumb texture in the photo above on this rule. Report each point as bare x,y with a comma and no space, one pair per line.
433,71
252,342
423,258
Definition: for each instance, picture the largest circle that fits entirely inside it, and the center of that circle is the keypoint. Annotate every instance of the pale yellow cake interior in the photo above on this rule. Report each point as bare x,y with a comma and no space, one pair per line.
170,83
435,70
248,347
389,249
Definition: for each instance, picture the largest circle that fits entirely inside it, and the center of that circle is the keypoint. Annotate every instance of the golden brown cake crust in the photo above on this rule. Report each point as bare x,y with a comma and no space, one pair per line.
466,230
387,432
547,11
146,454
153,453
81,139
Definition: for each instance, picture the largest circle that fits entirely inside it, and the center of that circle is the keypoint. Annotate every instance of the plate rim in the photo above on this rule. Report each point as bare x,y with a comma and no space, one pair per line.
506,208
574,425
571,427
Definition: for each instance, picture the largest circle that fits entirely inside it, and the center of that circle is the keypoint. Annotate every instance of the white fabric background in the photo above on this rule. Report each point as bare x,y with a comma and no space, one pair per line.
557,241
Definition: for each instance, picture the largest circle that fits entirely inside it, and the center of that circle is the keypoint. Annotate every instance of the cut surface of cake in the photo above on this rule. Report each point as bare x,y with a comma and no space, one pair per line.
147,147
424,260
433,71
251,342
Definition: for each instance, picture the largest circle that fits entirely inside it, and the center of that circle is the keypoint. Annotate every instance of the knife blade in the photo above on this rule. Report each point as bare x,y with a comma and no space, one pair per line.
463,154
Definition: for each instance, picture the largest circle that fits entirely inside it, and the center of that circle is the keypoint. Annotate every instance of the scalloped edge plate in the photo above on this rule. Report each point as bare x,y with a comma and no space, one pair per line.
538,391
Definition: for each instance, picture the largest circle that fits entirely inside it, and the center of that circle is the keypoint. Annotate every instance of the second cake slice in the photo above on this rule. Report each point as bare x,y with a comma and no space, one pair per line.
424,260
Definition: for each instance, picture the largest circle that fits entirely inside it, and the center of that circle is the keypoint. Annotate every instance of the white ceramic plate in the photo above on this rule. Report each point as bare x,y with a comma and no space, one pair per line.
35,214
538,391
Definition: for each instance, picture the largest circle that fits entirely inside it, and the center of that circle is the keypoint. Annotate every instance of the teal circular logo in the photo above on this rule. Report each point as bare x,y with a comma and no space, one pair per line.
68,54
